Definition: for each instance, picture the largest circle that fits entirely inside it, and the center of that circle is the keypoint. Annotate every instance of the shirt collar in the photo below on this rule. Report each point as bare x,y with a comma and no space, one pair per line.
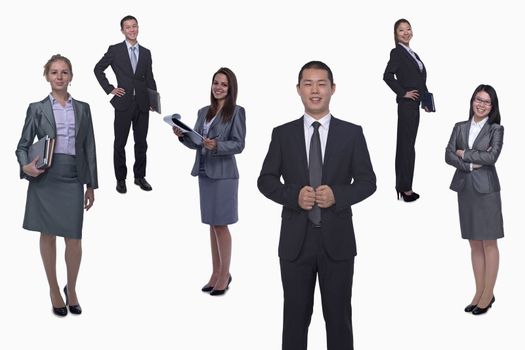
480,124
406,47
325,121
130,46
53,100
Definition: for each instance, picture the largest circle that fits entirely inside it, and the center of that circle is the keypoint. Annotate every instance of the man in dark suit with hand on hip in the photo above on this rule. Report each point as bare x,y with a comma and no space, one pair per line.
326,168
131,64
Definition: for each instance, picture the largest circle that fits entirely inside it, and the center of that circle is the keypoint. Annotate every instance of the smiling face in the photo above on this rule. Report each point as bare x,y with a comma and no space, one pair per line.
59,76
315,90
481,105
219,87
130,29
404,33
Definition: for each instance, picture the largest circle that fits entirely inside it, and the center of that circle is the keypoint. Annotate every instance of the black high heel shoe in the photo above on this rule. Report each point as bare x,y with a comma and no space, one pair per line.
207,288
60,311
480,310
74,309
407,197
216,292
470,307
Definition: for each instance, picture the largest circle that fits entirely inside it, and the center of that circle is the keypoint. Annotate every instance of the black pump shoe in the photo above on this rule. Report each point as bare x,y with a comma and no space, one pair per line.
60,311
470,307
216,292
207,288
407,197
480,311
74,309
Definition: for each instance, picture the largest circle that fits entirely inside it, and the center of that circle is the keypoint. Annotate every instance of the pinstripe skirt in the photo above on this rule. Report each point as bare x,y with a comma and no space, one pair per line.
218,199
55,200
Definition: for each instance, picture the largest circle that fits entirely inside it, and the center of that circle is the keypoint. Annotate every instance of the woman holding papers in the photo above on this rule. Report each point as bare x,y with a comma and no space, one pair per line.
473,149
406,75
55,196
223,127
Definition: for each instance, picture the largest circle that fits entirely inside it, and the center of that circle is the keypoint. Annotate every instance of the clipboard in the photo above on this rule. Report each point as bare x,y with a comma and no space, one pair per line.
175,120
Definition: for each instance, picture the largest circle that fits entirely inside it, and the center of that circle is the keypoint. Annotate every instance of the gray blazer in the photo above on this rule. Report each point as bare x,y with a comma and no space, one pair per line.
220,163
40,122
485,151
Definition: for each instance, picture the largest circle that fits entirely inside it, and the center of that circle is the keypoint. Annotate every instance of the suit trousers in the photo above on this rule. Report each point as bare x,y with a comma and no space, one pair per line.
407,125
335,282
123,121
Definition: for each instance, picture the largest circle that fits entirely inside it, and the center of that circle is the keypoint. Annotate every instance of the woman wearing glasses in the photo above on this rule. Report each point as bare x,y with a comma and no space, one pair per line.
473,149
406,75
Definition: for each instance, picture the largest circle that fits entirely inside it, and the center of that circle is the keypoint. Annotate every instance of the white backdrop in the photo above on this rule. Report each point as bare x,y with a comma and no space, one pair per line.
146,255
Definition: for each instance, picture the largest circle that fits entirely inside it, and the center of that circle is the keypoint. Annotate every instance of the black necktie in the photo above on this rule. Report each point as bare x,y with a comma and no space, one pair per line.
315,167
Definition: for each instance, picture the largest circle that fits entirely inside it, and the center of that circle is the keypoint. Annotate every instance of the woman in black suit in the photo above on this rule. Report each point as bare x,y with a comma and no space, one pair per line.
406,75
56,198
473,149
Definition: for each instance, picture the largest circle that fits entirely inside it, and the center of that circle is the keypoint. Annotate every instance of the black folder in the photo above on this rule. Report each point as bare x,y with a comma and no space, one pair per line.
427,100
154,100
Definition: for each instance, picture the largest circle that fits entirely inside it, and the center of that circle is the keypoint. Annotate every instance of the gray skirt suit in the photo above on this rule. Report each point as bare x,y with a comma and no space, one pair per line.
478,190
217,169
55,199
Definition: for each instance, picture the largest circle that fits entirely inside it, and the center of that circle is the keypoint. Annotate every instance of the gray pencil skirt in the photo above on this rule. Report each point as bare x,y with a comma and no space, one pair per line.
55,200
480,214
218,199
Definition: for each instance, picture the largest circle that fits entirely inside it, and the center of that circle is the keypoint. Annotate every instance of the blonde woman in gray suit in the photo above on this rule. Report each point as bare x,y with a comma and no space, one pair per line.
473,149
55,197
223,125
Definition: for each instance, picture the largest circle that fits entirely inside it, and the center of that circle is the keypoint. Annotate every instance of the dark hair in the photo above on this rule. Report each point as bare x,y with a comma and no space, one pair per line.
397,24
54,58
494,116
316,65
230,101
127,18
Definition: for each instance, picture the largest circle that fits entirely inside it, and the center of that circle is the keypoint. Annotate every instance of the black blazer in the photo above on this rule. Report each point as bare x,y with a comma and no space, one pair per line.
402,73
346,169
117,57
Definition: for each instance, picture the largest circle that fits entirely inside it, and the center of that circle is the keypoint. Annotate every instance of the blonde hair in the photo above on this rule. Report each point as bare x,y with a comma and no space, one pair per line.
57,57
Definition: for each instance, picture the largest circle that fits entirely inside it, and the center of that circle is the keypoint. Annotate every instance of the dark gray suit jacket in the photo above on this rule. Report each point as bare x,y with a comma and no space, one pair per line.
220,163
117,57
346,169
40,122
485,151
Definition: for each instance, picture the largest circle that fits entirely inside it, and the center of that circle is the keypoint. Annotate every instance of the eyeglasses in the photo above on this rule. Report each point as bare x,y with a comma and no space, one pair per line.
482,102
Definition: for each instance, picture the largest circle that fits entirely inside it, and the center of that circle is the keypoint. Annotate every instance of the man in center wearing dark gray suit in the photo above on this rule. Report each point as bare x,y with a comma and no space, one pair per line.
326,168
131,64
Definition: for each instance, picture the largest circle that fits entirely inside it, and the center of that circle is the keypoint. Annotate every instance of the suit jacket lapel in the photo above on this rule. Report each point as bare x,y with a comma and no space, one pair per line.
409,56
78,115
332,142
126,57
465,130
299,140
484,130
47,110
